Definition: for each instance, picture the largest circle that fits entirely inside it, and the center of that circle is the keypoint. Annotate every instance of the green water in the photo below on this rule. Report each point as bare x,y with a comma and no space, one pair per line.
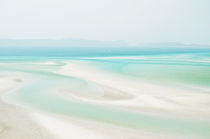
191,69
40,81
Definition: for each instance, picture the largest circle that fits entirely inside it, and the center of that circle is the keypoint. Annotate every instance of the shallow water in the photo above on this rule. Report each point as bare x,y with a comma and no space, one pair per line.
184,69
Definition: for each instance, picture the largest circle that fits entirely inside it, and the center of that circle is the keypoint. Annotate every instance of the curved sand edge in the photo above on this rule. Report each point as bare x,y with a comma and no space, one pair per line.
152,98
15,123
65,128
22,124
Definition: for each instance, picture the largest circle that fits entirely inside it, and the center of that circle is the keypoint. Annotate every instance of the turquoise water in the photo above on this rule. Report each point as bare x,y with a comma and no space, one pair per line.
97,51
188,68
34,94
185,68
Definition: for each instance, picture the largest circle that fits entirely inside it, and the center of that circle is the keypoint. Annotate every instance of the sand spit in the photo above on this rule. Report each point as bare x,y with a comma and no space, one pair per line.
18,123
72,128
140,96
15,123
111,91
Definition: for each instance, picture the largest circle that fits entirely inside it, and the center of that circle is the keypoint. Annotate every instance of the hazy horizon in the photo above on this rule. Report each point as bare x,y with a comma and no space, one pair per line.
136,21
104,69
74,42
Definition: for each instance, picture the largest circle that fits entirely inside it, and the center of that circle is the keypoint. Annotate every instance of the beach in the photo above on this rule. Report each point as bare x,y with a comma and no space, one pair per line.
134,94
81,99
16,122
104,69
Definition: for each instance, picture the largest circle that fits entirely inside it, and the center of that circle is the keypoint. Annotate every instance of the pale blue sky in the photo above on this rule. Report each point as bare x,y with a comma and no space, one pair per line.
135,21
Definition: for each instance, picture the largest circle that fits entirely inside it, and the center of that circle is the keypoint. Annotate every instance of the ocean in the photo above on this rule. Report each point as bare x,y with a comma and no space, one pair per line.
180,68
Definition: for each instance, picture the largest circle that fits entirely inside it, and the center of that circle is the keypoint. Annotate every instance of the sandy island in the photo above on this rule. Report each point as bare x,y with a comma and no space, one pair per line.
112,91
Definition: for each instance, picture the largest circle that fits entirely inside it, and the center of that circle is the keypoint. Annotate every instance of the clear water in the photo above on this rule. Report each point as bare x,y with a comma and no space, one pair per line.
191,68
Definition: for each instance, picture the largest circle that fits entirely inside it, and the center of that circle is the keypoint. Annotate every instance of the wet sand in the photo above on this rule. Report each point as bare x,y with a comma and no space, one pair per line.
108,91
136,95
16,122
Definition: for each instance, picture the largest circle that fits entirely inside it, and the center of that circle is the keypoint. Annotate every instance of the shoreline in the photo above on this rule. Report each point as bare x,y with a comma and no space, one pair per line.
32,124
181,102
112,91
16,122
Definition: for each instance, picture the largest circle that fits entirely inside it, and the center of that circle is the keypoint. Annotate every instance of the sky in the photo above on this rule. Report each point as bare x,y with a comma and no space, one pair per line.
133,21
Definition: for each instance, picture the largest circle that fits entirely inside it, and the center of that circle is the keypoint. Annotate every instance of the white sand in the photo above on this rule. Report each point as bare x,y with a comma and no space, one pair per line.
138,95
63,129
113,91
15,123
71,128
